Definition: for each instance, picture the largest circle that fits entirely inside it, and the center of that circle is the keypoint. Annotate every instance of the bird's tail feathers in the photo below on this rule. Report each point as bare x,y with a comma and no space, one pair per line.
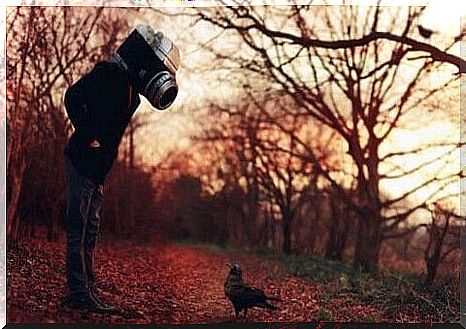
267,305
274,299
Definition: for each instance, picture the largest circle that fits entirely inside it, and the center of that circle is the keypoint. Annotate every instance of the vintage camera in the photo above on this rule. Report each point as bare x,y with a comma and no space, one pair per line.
152,61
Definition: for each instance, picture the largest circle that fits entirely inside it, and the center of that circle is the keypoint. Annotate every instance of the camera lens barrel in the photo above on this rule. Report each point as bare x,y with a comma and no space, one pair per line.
161,90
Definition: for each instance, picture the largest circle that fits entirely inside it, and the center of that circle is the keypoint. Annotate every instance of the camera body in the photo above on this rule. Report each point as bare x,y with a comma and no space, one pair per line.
152,60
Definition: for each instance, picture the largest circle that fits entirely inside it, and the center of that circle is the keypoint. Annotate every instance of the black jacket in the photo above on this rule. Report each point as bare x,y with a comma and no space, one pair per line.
100,106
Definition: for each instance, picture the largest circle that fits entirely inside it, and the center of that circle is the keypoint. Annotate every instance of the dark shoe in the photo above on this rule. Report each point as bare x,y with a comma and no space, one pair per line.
85,301
110,309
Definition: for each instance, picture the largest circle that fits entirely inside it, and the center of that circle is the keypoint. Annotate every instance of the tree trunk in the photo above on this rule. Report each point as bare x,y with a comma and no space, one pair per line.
338,230
336,243
16,181
433,253
368,241
287,235
432,266
366,255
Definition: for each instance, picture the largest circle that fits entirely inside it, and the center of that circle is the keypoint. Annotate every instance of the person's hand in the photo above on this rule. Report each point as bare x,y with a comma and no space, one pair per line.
94,144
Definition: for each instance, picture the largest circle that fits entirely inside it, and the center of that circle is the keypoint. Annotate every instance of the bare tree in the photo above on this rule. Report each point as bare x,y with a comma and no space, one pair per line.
235,137
344,68
263,165
443,239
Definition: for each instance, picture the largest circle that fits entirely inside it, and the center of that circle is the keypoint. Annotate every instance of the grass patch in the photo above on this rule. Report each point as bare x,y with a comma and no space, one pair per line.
208,247
324,314
390,291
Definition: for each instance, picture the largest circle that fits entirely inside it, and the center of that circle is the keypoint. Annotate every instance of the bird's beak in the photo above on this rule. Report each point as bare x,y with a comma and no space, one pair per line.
229,265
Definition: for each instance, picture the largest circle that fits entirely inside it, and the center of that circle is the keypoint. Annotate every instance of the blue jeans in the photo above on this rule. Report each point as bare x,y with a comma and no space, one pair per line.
84,200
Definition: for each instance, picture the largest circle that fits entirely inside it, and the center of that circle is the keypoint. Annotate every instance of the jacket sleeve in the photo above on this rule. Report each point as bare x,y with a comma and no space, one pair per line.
79,102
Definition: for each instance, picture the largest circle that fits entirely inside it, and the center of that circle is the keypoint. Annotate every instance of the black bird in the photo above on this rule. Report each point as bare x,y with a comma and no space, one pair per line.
242,296
425,33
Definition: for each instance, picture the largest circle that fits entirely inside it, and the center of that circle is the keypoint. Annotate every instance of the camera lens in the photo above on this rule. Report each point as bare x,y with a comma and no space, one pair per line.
161,90
168,97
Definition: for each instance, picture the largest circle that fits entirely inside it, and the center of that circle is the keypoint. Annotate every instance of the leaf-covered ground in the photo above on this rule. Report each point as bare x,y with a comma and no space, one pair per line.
166,284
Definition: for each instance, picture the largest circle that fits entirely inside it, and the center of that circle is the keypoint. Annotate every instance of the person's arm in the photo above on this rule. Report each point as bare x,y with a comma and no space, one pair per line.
80,100
77,103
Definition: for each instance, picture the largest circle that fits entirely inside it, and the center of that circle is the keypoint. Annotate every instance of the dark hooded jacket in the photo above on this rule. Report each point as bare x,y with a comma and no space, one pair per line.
100,106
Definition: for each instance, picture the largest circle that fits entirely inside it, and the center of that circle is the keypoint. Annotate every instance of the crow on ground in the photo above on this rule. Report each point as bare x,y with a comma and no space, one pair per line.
242,296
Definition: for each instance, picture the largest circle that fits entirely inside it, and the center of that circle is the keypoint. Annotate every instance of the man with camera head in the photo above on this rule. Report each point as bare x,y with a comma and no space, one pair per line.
100,106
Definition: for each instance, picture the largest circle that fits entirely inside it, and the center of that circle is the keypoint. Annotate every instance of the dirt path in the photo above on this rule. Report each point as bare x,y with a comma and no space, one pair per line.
169,284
